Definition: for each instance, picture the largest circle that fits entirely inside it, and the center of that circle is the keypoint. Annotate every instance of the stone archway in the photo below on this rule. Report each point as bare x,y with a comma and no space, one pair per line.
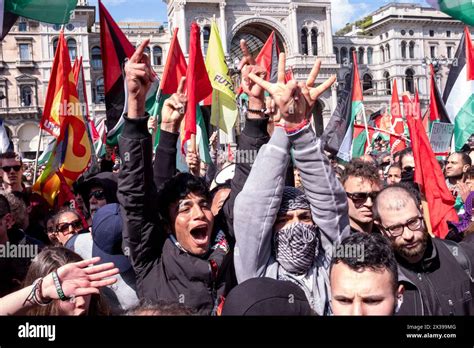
256,31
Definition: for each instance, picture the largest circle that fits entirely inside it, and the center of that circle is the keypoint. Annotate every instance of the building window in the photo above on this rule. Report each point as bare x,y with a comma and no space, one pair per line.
96,58
361,55
411,32
367,84
72,47
412,49
382,54
387,48
26,96
351,54
404,49
388,87
25,54
450,51
370,54
448,33
100,91
386,35
55,46
22,26
206,35
403,32
3,96
336,53
433,51
409,81
157,55
314,41
304,41
344,55
431,33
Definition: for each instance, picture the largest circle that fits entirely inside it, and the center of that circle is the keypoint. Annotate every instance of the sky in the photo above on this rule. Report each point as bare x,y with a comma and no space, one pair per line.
344,11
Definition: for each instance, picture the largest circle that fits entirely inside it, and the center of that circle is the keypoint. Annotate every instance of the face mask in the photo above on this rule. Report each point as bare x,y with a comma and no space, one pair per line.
296,246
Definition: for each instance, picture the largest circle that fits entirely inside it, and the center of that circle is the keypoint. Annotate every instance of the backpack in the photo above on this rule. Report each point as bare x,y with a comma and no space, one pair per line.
460,255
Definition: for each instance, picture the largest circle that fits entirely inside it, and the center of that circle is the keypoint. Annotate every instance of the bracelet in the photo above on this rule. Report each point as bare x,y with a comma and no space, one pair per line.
257,111
298,128
36,294
58,286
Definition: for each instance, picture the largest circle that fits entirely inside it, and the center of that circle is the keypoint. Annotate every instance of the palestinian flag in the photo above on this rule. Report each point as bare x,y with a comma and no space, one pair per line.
359,143
459,92
459,9
100,142
117,49
357,108
338,125
49,11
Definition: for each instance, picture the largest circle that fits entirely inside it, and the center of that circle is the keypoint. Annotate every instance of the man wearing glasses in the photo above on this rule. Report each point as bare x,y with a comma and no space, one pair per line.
436,280
361,183
12,172
100,190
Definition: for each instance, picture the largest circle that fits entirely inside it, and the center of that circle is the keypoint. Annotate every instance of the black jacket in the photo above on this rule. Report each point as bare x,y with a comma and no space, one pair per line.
164,272
437,285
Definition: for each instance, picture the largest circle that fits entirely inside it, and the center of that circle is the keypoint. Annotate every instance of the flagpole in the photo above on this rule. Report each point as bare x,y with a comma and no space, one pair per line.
40,136
366,127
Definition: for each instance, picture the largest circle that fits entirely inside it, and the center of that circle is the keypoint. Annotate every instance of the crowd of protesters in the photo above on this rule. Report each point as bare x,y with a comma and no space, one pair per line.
294,232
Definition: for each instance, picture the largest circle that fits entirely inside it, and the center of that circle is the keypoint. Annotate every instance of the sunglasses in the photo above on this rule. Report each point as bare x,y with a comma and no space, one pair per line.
76,225
99,195
360,198
9,168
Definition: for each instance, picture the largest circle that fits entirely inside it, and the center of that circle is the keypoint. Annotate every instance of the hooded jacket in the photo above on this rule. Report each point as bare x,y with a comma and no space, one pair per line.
257,206
107,181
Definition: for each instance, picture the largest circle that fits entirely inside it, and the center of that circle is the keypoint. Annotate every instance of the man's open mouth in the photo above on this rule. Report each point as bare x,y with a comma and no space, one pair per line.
200,235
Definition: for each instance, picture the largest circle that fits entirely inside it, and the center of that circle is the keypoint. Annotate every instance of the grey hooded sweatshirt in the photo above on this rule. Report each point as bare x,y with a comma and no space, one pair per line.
257,205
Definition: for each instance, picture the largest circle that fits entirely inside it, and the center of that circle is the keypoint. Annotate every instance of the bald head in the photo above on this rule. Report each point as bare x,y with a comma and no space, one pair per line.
393,198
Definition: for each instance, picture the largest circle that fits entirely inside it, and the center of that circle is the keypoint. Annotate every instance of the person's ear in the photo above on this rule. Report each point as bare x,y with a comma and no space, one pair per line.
465,168
399,294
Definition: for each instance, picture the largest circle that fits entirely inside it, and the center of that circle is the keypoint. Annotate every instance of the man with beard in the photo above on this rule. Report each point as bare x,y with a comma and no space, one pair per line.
361,183
457,165
433,271
281,232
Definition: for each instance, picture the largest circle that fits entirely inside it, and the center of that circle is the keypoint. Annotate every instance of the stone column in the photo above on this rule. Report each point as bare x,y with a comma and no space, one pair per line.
183,31
223,27
333,97
294,29
328,31
310,44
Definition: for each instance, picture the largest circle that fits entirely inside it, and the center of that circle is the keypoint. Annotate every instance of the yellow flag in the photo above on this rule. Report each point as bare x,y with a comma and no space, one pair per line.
224,107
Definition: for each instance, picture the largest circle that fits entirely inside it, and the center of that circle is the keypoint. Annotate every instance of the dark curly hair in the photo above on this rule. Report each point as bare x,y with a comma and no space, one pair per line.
377,255
360,169
179,187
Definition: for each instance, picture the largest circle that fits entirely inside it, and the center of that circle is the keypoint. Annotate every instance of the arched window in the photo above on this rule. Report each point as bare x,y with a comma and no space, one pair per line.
96,58
344,55
206,34
72,47
404,49
361,55
147,51
157,55
351,56
412,49
304,41
26,94
382,54
388,87
55,46
314,41
367,84
387,49
409,81
336,53
347,79
370,55
100,91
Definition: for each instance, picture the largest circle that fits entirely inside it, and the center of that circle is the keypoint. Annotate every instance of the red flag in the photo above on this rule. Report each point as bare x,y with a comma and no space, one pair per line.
437,109
175,67
429,177
198,85
397,121
115,49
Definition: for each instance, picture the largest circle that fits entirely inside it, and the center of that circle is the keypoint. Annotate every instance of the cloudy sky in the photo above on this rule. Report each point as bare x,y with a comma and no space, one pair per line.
344,11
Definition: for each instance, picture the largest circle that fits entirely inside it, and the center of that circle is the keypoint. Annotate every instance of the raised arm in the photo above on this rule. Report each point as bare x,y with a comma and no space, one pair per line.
256,208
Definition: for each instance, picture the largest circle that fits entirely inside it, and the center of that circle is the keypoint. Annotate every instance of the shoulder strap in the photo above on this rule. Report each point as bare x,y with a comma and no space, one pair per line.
459,254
